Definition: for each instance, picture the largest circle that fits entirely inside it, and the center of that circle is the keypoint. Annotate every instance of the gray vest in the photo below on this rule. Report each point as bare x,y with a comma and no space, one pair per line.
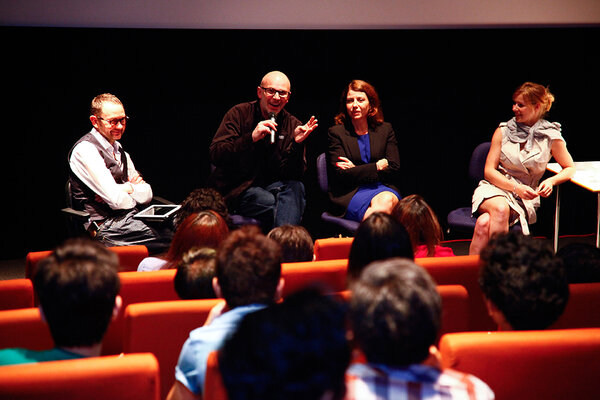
85,198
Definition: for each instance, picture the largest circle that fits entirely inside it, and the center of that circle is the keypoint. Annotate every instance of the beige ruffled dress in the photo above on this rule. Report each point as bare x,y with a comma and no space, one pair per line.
526,166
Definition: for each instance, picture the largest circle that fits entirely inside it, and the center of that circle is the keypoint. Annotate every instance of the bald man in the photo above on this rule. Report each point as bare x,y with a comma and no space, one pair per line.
259,156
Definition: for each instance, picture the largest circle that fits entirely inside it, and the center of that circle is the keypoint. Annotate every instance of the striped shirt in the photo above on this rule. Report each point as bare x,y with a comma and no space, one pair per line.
378,382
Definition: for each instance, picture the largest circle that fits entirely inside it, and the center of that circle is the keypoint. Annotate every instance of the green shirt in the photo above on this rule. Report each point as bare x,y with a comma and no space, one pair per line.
25,356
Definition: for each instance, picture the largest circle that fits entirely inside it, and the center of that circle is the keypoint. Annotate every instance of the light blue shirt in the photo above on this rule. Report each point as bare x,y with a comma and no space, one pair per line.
191,367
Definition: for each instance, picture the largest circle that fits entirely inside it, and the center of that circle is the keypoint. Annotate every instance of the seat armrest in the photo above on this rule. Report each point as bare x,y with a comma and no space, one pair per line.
80,215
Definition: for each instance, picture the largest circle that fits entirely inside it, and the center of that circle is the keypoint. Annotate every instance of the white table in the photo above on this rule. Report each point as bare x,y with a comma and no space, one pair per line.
587,176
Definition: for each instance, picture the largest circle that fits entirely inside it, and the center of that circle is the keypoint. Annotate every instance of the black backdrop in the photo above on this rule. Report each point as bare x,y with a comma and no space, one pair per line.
444,91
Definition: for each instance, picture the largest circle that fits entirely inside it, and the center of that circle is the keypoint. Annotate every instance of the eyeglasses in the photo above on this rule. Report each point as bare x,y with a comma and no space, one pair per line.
115,121
284,94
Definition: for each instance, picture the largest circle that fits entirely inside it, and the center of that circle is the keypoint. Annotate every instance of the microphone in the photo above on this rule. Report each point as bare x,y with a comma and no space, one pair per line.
272,117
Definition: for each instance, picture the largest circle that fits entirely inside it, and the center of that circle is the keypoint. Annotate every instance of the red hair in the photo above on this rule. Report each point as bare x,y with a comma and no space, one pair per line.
203,229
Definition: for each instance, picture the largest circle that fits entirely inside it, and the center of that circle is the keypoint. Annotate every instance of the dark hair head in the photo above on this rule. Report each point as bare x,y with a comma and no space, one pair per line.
203,199
375,116
296,349
395,310
248,267
295,241
420,221
378,237
195,272
523,278
77,286
203,229
581,261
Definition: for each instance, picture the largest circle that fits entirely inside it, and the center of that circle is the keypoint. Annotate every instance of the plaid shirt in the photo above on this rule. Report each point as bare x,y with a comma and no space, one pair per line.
377,382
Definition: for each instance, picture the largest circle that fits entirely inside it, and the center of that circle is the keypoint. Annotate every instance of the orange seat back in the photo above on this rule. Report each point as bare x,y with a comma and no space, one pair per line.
462,270
583,308
24,328
16,293
214,388
550,364
138,287
329,273
161,328
129,258
332,248
128,377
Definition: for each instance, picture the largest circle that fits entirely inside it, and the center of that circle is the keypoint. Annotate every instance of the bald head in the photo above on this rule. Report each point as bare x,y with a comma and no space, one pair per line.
273,93
275,78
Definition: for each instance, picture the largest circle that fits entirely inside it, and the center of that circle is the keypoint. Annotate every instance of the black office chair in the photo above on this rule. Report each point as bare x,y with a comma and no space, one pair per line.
348,227
75,219
460,220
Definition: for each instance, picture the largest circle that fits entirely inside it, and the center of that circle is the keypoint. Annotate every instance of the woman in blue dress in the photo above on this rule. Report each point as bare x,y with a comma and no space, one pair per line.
362,155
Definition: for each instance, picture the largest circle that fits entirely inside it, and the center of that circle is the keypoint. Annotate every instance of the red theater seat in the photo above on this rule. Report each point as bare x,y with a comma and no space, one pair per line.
332,248
16,293
550,364
133,376
161,328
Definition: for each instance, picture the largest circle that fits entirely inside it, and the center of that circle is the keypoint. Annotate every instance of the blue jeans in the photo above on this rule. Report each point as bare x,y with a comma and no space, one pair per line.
280,203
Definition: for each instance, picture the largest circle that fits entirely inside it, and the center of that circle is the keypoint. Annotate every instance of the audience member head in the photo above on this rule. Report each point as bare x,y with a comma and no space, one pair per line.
420,222
248,268
78,288
375,116
203,229
295,241
296,349
395,312
523,281
378,237
535,95
195,273
581,261
203,199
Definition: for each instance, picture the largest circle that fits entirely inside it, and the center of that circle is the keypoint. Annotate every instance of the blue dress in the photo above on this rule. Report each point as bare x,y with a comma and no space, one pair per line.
362,198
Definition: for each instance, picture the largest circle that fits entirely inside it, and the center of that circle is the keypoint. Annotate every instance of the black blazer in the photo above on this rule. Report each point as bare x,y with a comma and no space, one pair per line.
343,141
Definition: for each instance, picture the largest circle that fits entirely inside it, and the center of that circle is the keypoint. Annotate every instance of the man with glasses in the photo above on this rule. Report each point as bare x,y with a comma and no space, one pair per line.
105,183
259,156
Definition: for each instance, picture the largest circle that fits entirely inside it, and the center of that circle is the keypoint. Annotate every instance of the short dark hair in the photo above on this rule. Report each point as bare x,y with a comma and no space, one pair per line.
248,267
296,349
77,286
378,237
395,311
195,272
524,279
581,261
295,241
203,199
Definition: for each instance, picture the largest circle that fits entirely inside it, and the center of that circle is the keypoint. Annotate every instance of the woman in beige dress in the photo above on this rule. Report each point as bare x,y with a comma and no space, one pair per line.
520,150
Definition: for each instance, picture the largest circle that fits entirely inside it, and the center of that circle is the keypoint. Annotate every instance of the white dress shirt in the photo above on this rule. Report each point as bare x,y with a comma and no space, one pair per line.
88,165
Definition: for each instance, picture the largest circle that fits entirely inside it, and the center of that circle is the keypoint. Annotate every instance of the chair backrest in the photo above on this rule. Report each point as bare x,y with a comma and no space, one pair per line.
477,162
583,308
161,328
322,173
462,270
214,388
551,364
16,293
332,248
133,376
129,258
331,274
138,287
24,328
